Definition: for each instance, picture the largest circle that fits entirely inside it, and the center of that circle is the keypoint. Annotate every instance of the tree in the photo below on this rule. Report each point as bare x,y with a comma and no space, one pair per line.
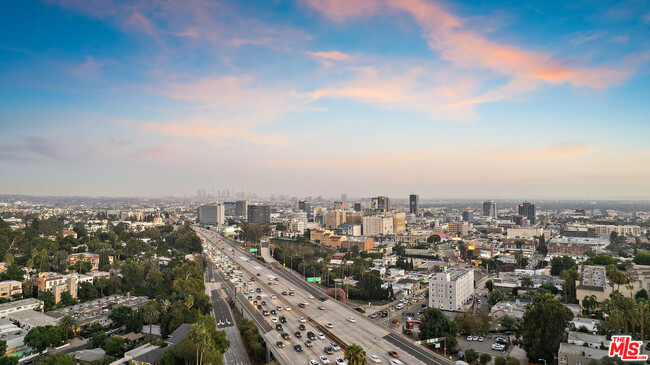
68,325
434,238
201,338
96,340
9,360
559,264
499,360
87,291
101,283
543,326
589,303
484,359
355,355
496,296
48,300
3,347
526,282
570,276
466,323
114,346
120,315
471,355
489,285
483,322
641,294
150,313
57,359
641,258
512,361
41,337
435,324
133,274
14,272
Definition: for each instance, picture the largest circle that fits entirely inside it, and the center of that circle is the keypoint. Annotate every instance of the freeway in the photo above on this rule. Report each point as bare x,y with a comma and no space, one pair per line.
340,322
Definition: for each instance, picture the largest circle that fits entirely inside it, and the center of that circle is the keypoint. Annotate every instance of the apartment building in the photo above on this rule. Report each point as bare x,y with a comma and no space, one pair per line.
399,221
451,290
377,225
9,288
363,244
57,284
90,257
456,227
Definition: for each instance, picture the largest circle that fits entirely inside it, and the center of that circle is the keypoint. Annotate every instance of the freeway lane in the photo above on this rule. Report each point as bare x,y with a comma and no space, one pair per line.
373,337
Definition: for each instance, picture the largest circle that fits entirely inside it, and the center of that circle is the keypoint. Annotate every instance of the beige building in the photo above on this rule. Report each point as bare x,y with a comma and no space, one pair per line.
9,288
333,219
57,284
377,225
606,229
456,227
399,221
92,258
451,290
353,217
593,281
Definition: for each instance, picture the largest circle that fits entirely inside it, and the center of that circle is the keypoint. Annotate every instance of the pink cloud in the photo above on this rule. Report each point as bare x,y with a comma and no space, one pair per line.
446,34
330,55
89,69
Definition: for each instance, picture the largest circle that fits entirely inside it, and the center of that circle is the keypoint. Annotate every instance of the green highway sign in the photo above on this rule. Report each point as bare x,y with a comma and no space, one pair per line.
314,279
253,250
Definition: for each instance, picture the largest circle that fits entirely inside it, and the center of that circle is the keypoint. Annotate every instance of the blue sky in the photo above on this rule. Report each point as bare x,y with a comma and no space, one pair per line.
484,99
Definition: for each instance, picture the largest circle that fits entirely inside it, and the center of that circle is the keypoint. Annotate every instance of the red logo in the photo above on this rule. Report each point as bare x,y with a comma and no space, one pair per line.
626,349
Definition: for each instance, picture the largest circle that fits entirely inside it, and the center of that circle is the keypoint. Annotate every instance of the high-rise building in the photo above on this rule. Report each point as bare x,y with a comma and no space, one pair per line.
213,214
381,203
241,208
460,228
468,215
357,207
259,214
490,209
305,206
333,219
229,208
414,204
528,210
344,198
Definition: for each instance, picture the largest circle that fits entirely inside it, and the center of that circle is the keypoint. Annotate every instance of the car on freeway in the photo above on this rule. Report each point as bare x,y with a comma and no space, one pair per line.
302,327
311,335
283,319
322,307
321,336
340,361
308,343
396,362
274,319
265,313
328,350
287,308
374,358
259,297
313,362
305,302
284,293
279,307
374,315
280,344
302,319
310,296
286,336
259,306
274,312
259,290
351,319
273,296
292,293
263,302
269,283
329,325
301,305
393,353
335,346
298,348
250,297
292,289
324,360
278,327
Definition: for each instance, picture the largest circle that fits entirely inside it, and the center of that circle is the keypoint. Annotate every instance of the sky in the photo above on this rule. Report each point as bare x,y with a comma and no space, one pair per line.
464,99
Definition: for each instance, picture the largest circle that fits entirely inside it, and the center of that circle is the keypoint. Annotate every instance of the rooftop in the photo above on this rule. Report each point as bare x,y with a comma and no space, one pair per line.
578,350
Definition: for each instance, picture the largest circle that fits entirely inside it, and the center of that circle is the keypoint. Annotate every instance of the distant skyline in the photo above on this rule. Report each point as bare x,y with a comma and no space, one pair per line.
464,99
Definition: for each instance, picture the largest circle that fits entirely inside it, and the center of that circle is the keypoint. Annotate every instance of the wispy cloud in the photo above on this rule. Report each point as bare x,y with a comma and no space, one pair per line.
89,69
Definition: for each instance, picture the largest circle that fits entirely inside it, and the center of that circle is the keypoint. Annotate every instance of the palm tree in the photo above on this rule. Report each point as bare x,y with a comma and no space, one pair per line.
200,336
355,355
642,307
67,324
164,306
101,283
189,301
589,303
150,314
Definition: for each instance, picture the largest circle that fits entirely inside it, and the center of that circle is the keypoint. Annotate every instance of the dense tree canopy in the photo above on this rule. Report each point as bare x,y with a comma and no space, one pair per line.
543,326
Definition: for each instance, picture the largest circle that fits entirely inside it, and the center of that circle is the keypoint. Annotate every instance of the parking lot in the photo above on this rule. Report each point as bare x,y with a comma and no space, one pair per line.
396,317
